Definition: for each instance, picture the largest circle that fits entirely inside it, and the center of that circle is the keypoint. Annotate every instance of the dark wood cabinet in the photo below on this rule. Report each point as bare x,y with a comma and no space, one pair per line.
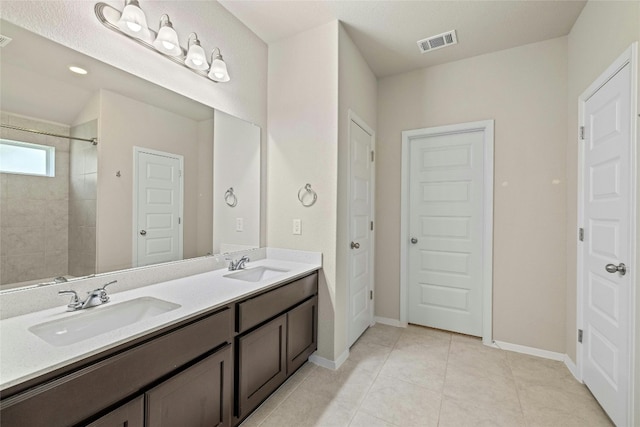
262,364
302,332
128,415
197,396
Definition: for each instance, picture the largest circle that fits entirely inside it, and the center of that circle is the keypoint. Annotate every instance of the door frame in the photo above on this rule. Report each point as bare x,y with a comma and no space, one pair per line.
486,126
353,117
629,56
136,153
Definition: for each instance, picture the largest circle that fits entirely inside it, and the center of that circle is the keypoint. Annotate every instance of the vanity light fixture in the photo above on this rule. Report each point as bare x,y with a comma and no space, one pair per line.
132,23
218,71
167,39
196,57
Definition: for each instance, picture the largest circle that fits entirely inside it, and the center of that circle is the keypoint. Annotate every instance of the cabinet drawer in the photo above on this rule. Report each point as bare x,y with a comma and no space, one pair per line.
127,415
85,392
256,310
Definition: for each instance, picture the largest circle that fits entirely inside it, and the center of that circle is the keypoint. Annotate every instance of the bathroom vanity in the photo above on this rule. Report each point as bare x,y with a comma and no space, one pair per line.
211,367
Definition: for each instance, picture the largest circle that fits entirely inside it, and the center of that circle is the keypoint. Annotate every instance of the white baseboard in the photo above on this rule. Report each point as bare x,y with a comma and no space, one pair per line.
572,367
329,364
530,351
390,322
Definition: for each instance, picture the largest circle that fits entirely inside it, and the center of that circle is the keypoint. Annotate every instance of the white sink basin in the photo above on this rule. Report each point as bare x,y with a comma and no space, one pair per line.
256,274
95,321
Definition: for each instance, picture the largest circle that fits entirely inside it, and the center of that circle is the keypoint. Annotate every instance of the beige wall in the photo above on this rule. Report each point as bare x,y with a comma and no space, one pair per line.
357,91
524,90
302,148
123,124
592,46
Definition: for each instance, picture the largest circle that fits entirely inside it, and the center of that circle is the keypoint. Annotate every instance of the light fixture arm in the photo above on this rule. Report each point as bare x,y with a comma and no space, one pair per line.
165,21
218,56
193,39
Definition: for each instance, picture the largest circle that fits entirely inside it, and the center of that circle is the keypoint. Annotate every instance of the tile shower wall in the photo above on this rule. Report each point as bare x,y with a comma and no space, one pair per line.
34,211
82,200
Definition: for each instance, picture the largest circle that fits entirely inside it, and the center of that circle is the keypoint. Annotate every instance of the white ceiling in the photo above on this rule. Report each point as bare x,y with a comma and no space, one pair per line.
386,32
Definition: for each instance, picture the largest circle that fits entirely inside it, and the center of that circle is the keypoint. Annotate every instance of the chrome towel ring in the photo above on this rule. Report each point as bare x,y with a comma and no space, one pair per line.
230,198
304,191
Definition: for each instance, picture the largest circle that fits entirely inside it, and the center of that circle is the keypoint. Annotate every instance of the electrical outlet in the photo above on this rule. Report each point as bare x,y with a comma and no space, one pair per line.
239,224
297,226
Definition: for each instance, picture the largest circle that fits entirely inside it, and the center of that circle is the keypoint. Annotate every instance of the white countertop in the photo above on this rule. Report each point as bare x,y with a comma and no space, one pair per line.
24,356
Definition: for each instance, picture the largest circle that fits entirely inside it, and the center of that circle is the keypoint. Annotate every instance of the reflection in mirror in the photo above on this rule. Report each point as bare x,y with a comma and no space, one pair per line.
155,147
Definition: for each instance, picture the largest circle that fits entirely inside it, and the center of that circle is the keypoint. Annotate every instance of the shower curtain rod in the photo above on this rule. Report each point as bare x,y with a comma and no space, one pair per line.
93,141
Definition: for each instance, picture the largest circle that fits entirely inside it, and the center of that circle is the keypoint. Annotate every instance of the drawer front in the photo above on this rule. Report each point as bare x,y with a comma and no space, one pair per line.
264,306
128,415
81,394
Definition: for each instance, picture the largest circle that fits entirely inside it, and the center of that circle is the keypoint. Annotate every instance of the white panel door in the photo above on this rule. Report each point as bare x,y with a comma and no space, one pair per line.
446,232
607,242
159,202
360,216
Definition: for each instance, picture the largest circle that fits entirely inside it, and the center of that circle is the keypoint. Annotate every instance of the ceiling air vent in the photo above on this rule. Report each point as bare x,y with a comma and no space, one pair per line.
4,40
437,42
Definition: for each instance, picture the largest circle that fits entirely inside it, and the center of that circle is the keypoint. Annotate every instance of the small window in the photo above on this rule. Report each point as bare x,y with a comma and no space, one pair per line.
27,159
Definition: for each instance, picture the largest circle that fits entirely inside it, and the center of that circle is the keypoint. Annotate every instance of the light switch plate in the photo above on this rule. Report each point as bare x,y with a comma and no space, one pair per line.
297,226
239,224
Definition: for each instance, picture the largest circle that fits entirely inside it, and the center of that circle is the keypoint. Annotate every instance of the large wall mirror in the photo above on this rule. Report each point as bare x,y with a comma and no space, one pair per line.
169,178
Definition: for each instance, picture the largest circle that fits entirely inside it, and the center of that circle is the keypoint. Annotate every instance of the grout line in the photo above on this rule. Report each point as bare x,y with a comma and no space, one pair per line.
444,380
515,383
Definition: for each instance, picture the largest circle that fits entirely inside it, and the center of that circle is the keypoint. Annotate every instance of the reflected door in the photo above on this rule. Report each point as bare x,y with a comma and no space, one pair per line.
446,232
607,245
158,230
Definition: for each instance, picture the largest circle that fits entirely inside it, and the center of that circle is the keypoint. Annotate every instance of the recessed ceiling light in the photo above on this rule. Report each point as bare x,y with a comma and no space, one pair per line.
77,70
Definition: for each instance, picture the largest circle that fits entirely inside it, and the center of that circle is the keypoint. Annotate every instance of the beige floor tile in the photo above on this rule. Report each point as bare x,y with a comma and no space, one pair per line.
365,420
368,355
309,409
469,357
463,413
546,405
476,387
402,403
346,385
419,340
381,334
530,370
424,368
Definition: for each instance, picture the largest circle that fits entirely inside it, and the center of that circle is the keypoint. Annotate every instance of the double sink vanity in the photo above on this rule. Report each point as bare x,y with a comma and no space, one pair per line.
205,349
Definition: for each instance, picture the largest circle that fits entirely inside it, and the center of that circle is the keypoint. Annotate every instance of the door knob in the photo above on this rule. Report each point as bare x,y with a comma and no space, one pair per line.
612,268
143,232
355,245
414,240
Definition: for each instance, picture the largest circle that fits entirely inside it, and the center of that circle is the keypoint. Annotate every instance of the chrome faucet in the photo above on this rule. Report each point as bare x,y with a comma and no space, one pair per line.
239,264
96,297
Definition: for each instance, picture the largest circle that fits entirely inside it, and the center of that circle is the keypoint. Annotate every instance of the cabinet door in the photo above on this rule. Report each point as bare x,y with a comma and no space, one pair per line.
198,396
128,415
262,364
302,330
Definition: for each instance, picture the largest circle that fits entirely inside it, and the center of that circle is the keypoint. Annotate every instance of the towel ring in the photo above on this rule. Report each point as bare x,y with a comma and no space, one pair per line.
230,198
307,190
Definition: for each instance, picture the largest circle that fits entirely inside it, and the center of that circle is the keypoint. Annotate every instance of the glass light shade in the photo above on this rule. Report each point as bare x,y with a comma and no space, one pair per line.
218,71
196,57
167,40
133,22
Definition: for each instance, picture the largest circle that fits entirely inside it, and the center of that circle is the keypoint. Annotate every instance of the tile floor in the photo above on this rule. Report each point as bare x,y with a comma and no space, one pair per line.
424,377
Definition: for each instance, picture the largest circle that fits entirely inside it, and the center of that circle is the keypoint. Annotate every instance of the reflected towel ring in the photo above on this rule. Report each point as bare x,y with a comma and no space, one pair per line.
230,198
307,190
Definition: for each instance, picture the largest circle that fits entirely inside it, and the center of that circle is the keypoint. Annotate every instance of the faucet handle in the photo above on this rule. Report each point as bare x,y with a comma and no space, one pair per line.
103,291
104,287
75,301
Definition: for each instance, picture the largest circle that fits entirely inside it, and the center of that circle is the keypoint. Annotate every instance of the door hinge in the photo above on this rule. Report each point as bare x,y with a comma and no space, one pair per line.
373,156
179,220
579,335
371,295
581,234
179,173
582,132
371,226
